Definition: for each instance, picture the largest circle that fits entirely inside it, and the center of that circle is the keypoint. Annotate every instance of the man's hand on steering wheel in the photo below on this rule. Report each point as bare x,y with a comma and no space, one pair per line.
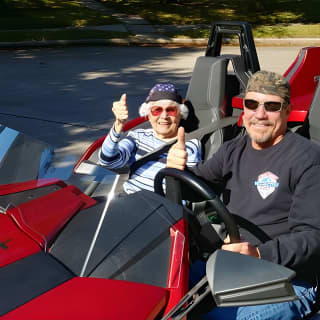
243,247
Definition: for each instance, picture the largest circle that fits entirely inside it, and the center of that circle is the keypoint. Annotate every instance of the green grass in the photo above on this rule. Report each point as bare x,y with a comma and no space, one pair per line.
262,15
275,31
268,18
59,35
33,14
265,12
290,31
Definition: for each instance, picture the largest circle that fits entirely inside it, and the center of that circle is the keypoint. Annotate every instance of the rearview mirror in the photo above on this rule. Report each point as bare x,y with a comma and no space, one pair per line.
237,280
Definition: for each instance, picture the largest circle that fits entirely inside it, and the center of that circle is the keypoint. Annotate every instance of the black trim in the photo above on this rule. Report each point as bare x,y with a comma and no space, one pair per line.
18,198
28,278
105,158
159,95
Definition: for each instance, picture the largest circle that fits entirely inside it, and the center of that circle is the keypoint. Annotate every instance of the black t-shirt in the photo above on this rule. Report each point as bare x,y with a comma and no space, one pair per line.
278,189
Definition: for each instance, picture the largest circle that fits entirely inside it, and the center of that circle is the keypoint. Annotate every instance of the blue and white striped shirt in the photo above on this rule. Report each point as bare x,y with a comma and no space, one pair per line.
116,153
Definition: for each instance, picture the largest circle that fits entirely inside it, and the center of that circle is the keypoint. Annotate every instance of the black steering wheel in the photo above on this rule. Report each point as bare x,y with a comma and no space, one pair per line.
231,221
197,185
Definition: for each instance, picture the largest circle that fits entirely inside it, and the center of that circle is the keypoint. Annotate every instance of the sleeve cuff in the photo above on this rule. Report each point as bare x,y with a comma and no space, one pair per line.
115,137
265,252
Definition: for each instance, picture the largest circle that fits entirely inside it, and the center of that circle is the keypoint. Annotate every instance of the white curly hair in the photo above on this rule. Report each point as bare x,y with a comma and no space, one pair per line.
146,107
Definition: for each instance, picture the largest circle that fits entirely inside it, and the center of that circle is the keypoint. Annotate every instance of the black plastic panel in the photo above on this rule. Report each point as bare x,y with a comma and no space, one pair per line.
239,280
28,278
134,243
24,159
17,198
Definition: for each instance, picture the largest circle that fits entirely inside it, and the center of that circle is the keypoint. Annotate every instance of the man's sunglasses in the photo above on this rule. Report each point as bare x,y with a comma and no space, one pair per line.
170,111
271,106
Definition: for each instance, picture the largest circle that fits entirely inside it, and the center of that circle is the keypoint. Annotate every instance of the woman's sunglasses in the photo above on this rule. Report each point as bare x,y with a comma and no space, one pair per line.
170,111
271,106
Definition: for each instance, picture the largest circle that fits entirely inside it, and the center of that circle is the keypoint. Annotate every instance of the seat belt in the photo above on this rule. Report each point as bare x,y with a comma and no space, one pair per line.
197,134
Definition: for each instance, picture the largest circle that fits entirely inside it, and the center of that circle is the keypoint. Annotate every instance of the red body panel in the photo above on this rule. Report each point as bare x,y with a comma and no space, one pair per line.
42,218
94,299
178,278
15,245
302,76
27,228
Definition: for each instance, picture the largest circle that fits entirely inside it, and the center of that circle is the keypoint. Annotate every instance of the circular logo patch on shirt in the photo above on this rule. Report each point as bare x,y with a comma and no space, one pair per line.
266,184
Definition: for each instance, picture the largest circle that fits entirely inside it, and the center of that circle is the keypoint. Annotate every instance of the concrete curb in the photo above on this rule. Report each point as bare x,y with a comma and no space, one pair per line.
139,41
289,42
148,40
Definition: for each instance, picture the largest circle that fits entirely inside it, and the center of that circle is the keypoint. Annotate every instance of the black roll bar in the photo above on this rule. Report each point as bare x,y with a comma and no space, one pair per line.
244,33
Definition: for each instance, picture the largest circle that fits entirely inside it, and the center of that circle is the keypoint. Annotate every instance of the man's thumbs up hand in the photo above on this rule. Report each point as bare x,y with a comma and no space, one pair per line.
177,155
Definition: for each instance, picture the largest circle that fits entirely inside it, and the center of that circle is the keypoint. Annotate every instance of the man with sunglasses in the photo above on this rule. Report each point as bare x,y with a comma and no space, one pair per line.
164,109
271,178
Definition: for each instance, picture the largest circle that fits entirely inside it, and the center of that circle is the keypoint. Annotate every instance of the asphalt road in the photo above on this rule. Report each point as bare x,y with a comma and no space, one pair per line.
64,95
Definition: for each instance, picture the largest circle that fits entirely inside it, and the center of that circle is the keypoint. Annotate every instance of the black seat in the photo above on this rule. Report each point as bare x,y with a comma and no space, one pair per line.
314,116
210,91
206,93
310,128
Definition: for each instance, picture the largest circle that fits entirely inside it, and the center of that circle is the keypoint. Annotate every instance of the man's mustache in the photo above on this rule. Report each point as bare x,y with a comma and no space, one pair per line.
260,122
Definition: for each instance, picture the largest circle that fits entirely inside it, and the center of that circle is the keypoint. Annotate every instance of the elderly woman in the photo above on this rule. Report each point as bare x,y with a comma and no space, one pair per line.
164,109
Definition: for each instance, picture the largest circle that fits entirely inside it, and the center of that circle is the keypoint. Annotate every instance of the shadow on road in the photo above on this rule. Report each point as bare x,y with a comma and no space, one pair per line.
64,95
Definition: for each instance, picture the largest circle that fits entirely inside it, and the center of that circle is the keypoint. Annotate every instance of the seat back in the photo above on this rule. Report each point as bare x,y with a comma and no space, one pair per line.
314,116
303,75
209,95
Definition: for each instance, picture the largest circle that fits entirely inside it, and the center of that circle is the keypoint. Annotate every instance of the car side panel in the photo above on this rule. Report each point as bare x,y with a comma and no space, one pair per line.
94,299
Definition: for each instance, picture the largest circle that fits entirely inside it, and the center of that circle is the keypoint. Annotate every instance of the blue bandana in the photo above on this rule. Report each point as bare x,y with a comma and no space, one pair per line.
164,91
